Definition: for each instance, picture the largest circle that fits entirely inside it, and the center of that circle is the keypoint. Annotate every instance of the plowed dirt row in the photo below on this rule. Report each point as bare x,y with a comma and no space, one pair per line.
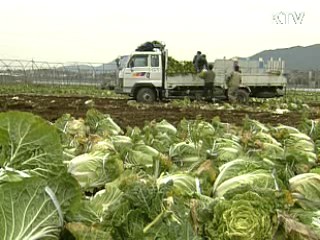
52,107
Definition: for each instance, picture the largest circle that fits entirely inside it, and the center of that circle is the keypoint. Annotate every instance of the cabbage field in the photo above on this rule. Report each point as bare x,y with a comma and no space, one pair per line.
52,103
107,168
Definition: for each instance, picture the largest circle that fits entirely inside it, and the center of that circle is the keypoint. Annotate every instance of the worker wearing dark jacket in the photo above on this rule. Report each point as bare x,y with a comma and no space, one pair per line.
195,61
208,76
202,62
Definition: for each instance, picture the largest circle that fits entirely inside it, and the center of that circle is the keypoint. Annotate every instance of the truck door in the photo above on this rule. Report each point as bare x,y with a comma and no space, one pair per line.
155,70
137,70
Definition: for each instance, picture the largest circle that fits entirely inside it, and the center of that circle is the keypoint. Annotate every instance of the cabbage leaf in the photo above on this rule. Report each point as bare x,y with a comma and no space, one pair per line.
29,142
34,208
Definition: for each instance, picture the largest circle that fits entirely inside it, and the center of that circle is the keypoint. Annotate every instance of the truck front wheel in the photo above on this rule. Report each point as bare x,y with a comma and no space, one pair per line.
242,96
146,95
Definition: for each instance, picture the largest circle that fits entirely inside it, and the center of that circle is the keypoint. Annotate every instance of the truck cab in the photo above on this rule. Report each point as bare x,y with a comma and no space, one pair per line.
141,73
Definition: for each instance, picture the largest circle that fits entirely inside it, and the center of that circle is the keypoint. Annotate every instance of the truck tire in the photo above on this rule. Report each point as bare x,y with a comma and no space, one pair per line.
146,95
242,96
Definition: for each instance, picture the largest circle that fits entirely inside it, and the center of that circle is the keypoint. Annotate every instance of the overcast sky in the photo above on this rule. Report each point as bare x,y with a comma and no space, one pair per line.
101,30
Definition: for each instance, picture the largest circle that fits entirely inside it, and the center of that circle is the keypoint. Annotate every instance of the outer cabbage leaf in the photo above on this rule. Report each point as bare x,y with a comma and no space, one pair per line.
270,150
300,150
256,179
306,190
299,147
34,208
281,131
95,169
92,212
165,127
254,126
141,155
262,145
207,173
266,138
12,175
103,146
81,231
157,135
185,152
298,224
150,211
181,183
162,142
235,168
121,143
71,127
310,219
74,135
101,124
227,149
197,131
29,142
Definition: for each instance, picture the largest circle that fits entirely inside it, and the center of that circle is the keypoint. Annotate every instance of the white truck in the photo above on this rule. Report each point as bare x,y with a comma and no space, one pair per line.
143,76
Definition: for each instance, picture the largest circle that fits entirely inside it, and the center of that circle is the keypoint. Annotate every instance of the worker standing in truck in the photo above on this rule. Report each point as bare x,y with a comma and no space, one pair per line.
208,76
233,82
202,63
195,61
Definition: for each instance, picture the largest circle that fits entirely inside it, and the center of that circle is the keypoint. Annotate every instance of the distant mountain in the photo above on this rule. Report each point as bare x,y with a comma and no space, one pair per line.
296,58
111,66
77,67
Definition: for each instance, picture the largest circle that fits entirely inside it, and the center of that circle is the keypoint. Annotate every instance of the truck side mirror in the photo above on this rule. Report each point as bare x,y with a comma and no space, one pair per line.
132,64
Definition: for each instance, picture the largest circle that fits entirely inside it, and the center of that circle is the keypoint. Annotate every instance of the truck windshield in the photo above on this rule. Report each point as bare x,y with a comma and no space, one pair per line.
138,61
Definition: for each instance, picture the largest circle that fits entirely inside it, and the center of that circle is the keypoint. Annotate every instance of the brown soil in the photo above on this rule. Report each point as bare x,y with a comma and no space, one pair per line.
52,107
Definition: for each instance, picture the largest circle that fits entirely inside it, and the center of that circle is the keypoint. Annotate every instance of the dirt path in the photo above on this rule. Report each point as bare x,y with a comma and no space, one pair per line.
52,107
